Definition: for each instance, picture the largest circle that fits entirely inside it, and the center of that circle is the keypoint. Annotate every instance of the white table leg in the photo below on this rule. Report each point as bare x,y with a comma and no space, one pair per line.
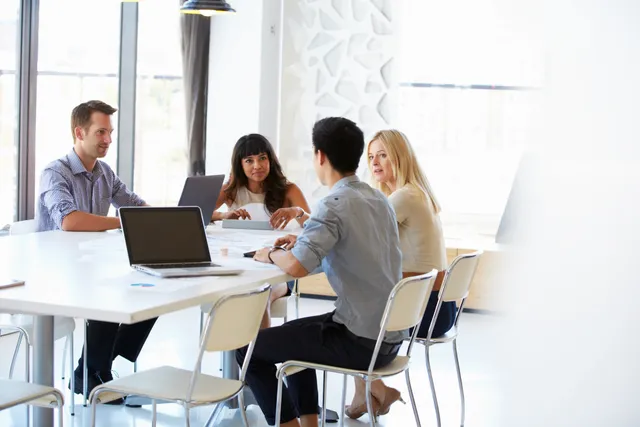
43,365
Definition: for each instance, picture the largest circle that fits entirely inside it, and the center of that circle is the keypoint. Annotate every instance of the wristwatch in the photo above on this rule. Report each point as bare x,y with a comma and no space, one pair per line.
273,249
301,214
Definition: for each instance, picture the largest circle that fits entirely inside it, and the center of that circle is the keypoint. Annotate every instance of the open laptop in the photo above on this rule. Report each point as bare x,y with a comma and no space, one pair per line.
202,191
169,242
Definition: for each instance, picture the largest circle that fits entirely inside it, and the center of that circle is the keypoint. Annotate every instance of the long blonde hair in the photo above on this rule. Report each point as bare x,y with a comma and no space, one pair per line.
404,164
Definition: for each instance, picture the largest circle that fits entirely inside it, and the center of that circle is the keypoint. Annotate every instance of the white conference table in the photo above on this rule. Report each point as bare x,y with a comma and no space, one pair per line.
87,276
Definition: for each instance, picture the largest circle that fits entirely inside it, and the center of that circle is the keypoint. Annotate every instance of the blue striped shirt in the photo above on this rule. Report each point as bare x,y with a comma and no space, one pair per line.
66,186
353,235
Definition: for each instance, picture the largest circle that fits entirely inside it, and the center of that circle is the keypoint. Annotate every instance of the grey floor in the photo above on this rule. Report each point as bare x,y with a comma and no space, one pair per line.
173,341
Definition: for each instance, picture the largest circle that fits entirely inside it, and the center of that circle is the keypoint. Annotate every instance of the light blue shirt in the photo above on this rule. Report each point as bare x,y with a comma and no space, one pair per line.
66,186
353,235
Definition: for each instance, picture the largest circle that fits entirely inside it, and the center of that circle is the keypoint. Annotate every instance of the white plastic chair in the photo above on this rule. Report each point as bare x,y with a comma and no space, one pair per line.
455,287
23,227
233,322
279,308
405,308
14,393
63,326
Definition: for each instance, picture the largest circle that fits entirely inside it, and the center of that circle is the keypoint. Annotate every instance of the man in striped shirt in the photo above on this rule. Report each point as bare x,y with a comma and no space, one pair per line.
76,192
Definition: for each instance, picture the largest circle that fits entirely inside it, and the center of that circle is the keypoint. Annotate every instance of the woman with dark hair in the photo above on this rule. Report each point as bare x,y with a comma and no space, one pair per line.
257,177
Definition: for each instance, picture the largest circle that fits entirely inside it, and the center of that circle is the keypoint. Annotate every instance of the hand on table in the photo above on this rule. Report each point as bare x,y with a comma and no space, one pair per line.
237,214
282,216
262,255
287,241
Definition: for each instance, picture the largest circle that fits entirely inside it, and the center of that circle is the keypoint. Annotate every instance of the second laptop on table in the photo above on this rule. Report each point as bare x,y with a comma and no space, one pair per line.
202,191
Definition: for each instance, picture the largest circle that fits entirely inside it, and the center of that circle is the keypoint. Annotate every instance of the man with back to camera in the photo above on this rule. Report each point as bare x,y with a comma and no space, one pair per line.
76,192
353,235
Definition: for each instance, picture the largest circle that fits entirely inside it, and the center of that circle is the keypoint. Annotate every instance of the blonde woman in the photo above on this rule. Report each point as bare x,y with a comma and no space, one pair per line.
396,172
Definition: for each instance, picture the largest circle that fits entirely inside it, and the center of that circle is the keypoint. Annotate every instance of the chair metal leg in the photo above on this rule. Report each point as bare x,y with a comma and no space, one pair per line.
279,400
243,411
15,357
154,412
135,366
432,385
413,399
85,369
214,414
72,409
27,370
462,402
94,399
323,416
27,360
60,402
372,416
297,300
64,356
187,415
344,399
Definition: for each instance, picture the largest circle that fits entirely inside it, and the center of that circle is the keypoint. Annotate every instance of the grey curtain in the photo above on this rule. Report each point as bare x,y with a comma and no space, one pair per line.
196,32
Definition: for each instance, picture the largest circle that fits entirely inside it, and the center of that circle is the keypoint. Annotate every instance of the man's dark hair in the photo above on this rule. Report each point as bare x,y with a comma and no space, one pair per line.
81,115
341,140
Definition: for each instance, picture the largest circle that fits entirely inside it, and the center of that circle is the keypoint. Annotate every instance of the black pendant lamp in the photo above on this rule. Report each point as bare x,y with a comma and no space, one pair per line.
206,7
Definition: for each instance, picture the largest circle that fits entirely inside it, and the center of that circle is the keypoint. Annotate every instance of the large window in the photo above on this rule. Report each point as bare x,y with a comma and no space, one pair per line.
161,136
9,17
468,92
78,58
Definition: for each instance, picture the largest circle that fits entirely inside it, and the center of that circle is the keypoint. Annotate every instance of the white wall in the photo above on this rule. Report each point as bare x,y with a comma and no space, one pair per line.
337,61
243,78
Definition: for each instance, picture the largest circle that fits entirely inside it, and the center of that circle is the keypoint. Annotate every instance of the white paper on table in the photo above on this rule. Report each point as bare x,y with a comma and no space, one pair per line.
257,211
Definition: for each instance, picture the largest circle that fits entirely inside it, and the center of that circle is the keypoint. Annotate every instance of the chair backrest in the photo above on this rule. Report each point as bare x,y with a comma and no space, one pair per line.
23,227
234,320
407,302
405,308
232,323
459,276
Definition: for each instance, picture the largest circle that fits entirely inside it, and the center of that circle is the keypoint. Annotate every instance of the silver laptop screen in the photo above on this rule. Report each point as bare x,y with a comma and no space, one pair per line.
164,235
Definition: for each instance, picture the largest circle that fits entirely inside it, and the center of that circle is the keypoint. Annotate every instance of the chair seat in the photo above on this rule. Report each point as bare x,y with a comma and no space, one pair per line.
14,393
62,326
169,383
399,364
451,335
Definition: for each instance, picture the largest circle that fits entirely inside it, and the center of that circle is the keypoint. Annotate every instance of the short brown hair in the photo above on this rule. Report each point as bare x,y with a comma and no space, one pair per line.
81,115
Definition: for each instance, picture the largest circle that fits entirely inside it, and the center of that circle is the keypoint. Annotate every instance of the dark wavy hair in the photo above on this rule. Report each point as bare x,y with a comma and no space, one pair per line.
274,185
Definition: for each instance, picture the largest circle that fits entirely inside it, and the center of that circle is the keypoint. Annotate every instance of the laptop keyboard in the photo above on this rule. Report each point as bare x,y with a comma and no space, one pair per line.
161,266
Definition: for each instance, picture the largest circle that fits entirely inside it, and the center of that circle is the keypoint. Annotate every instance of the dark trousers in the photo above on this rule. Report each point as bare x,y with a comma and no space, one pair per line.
316,339
444,321
106,341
